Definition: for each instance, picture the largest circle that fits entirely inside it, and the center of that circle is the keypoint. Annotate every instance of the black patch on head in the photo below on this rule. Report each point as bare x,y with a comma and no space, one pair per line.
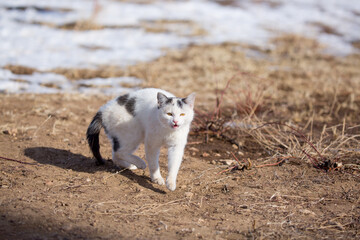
169,101
164,100
184,100
116,144
180,103
130,106
122,99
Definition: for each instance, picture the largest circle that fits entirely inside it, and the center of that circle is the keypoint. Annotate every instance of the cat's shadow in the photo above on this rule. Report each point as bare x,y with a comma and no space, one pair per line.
77,162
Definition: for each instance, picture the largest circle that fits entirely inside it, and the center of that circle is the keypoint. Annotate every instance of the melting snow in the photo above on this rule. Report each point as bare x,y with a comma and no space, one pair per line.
28,36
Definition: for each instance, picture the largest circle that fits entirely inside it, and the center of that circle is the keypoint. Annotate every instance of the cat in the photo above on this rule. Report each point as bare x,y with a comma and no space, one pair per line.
151,116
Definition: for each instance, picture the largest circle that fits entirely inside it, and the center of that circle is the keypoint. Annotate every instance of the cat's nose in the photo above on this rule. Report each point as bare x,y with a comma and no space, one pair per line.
175,122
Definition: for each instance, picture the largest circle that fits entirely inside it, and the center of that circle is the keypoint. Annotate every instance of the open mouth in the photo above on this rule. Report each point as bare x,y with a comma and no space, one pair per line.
175,126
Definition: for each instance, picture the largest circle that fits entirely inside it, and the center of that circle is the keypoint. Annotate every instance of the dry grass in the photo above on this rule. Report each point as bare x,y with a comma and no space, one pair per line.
303,104
325,146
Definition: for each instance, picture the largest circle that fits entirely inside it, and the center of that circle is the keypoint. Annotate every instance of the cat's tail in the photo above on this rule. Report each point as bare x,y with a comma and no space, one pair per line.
92,136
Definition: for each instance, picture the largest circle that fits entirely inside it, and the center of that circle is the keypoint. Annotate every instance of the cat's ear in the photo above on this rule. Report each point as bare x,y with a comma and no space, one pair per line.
162,99
190,100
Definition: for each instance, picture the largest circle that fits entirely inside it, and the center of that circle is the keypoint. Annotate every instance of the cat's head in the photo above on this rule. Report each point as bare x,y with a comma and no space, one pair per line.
175,112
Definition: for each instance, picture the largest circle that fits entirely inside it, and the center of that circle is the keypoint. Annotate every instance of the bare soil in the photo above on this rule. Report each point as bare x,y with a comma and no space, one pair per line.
50,187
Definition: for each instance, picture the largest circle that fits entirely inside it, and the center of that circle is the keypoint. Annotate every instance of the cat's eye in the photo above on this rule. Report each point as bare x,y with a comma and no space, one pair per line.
182,114
169,114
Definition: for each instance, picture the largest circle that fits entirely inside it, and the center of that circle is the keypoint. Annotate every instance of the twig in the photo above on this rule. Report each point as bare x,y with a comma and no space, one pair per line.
238,161
221,179
203,172
108,202
216,113
41,126
227,170
18,161
236,166
352,174
145,210
194,143
272,164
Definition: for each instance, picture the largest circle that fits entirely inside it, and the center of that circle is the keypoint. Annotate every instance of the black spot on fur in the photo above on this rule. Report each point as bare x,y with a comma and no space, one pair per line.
169,101
129,103
180,103
92,135
164,100
116,144
123,99
130,106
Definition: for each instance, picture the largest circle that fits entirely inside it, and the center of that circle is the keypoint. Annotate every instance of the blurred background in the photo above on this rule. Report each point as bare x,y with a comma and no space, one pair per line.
86,46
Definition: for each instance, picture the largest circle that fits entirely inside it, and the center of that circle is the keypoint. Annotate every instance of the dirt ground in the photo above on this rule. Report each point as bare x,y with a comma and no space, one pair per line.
50,187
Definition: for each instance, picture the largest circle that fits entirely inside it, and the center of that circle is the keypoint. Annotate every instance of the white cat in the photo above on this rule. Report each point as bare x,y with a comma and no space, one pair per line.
152,116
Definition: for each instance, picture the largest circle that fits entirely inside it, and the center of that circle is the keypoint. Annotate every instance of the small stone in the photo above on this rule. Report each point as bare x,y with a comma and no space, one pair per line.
227,162
50,183
205,154
188,230
240,153
235,146
194,149
189,194
6,132
14,131
88,180
213,162
338,165
67,227
217,155
307,212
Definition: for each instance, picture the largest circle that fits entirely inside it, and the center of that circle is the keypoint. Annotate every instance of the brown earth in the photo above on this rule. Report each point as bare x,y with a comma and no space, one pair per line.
50,187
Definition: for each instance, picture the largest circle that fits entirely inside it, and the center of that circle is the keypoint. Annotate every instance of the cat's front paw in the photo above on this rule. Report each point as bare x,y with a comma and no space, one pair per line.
171,184
158,180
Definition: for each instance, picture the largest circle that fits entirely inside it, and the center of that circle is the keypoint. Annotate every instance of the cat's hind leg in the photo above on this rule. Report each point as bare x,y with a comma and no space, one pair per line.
121,163
128,160
123,154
